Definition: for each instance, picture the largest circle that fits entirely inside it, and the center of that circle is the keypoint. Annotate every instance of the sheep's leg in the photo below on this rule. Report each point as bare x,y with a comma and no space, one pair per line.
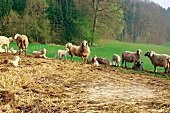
155,71
122,62
125,65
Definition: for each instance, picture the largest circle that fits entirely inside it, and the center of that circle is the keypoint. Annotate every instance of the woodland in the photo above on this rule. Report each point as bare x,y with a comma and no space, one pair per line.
61,21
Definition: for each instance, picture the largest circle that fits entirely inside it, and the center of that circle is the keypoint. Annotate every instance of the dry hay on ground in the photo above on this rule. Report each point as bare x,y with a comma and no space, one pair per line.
53,85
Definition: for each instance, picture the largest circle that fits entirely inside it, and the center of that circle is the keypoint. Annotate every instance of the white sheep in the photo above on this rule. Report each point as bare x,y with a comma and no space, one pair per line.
82,51
128,56
62,53
35,52
12,51
158,60
2,50
15,61
5,41
42,54
116,60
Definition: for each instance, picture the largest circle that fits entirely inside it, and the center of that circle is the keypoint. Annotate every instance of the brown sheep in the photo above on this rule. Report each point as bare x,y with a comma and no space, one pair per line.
138,66
82,51
22,42
158,60
128,56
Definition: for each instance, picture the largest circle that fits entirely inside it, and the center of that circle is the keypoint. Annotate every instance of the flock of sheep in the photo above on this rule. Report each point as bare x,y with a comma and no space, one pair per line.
83,51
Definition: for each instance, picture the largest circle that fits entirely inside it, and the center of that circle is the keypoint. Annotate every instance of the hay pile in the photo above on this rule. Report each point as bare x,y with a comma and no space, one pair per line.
53,85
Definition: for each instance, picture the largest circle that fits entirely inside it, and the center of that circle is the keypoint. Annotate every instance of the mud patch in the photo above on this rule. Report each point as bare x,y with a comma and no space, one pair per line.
109,93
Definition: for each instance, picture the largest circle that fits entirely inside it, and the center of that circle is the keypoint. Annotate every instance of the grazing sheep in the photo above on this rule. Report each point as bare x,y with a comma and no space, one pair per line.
158,60
116,59
22,42
138,66
128,56
82,51
93,61
15,61
104,61
5,41
62,53
42,54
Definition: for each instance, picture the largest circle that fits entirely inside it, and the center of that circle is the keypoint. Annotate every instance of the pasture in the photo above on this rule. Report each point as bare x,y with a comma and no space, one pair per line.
54,85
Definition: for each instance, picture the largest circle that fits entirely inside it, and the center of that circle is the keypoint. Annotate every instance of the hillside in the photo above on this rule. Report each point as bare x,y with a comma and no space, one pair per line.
52,85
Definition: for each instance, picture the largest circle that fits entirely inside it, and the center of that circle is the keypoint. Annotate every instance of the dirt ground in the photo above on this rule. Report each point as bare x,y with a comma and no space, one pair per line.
55,86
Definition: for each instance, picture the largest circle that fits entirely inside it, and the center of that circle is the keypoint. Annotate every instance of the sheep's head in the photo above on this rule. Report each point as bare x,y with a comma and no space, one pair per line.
150,54
16,36
84,43
11,39
94,58
139,52
44,51
68,45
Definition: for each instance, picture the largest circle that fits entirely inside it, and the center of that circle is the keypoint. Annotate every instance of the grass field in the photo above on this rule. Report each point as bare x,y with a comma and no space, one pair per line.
106,49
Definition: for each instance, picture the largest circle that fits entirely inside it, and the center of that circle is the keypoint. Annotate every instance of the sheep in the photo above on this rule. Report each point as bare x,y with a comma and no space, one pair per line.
104,61
158,60
2,50
5,41
82,51
128,56
62,53
93,61
42,54
35,52
15,61
22,42
12,51
138,66
116,59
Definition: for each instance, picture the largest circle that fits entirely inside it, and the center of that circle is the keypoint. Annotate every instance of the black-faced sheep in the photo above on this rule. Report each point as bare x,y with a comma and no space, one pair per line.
22,42
5,41
42,54
116,60
62,54
128,56
82,51
158,60
138,66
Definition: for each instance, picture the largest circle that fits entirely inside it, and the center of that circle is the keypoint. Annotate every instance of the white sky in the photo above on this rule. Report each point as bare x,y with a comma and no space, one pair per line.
164,3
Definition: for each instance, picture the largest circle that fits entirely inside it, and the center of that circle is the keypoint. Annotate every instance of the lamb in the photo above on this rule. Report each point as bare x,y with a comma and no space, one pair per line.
82,51
138,66
22,42
62,53
35,52
15,61
42,54
128,56
5,41
12,51
158,60
93,61
116,59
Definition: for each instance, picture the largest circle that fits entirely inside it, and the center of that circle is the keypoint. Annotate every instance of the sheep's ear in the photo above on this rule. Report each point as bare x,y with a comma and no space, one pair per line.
141,62
151,54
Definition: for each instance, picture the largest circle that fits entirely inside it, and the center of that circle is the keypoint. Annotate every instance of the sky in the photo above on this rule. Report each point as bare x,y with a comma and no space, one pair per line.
164,3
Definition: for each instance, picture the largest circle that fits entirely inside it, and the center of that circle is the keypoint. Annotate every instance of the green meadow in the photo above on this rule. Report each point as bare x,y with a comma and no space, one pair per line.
106,49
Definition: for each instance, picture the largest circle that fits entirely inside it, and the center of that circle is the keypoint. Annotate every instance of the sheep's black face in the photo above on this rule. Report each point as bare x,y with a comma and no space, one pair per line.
147,54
